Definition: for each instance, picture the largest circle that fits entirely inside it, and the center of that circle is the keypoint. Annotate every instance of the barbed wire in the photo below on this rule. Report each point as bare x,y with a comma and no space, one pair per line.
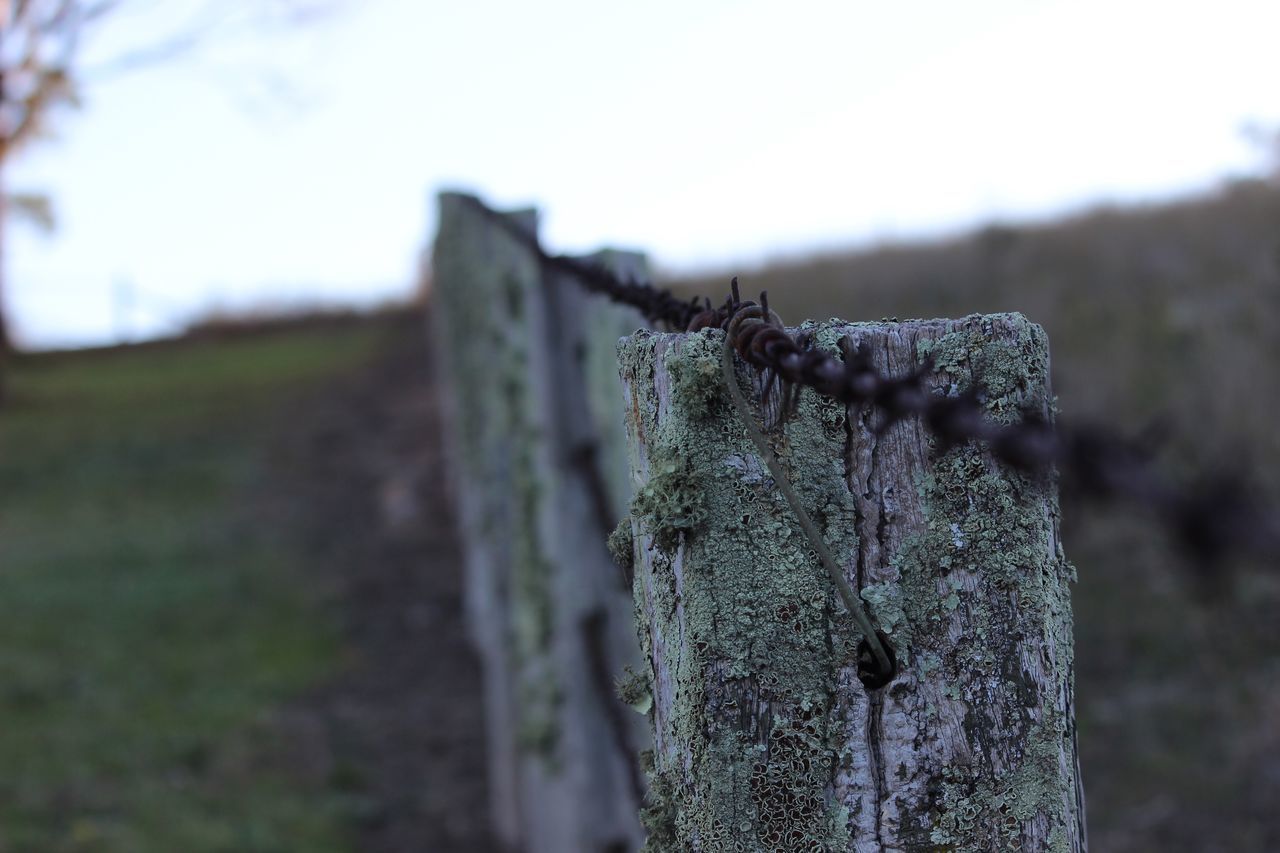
658,305
1212,518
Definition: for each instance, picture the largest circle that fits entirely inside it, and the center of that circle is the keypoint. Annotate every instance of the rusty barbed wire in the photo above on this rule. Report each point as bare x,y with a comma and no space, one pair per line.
1216,517
658,305
1212,518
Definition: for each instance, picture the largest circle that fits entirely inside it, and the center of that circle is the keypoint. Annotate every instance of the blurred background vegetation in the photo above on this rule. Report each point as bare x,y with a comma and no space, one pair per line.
156,617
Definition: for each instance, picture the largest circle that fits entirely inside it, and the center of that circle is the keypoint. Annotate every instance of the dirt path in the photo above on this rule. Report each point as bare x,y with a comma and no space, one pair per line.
402,730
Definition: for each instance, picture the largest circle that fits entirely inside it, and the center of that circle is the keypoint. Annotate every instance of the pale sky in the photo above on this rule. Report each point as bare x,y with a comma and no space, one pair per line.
287,166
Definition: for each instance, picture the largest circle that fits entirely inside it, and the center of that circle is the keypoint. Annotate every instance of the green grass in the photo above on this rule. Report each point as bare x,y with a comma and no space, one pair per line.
151,627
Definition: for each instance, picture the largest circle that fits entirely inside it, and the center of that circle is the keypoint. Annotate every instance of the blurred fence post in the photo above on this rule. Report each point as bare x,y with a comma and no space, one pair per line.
538,470
765,736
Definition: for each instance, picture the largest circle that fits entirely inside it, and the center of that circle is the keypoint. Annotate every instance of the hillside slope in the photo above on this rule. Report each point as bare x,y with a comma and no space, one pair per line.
230,601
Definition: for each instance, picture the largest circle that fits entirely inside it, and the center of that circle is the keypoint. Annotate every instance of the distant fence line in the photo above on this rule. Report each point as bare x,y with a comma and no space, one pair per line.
539,473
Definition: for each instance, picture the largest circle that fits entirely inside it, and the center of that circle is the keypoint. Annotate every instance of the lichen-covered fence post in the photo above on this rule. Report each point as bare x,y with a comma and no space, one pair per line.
766,738
539,474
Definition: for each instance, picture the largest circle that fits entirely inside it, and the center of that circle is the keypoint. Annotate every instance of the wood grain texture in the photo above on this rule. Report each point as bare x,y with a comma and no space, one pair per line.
765,738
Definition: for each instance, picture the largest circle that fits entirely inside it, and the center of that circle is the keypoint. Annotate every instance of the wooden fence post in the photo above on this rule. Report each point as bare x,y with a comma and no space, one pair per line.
765,737
537,443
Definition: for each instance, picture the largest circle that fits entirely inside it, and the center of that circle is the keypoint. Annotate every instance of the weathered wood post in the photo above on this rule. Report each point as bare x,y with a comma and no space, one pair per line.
539,478
765,737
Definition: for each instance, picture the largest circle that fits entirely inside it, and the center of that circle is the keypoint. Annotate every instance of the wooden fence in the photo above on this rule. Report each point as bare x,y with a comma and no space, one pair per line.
764,729
536,435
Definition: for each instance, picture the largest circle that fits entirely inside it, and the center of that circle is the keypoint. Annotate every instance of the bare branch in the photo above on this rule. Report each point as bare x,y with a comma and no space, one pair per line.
36,208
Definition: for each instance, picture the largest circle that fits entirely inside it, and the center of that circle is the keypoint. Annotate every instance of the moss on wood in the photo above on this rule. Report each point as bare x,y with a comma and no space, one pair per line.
751,651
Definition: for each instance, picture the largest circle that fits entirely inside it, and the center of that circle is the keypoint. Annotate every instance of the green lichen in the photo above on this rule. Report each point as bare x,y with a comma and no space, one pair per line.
531,604
480,276
698,383
764,627
756,601
1010,373
986,528
621,544
635,690
982,814
1059,841
886,605
485,280
658,813
671,503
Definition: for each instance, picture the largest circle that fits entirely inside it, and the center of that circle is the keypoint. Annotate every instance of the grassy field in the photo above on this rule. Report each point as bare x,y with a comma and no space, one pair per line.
151,627
1168,313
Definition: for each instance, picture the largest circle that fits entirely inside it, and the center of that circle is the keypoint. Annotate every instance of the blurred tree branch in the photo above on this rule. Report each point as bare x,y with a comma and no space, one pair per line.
40,43
36,208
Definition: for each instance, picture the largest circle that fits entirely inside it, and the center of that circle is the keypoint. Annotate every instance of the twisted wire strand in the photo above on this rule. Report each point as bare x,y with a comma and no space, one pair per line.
811,531
1219,515
1212,518
659,306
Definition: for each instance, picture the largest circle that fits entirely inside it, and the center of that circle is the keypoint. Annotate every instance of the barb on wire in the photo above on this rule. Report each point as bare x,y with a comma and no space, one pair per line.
1213,519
